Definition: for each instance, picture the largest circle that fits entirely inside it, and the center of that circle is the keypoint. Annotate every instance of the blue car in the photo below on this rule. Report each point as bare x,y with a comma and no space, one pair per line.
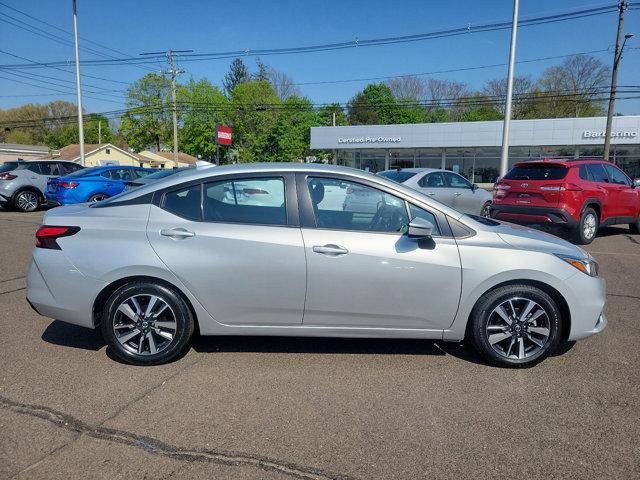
92,184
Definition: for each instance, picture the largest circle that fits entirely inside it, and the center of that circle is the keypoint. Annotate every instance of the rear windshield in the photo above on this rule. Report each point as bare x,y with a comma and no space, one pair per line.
397,175
537,172
84,171
8,166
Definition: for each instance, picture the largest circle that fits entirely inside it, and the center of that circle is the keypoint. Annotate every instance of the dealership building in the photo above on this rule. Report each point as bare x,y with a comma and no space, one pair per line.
473,148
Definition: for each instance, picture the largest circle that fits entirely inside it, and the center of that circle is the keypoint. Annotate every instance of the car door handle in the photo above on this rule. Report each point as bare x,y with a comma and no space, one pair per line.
456,194
177,233
331,250
431,193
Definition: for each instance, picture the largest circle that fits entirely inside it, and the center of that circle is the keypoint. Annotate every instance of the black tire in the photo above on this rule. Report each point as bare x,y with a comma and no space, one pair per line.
177,308
26,201
635,226
581,234
486,209
98,197
483,313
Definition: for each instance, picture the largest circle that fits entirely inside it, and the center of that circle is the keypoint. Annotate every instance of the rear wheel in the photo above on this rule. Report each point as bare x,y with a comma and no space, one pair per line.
98,197
587,228
146,324
515,326
26,201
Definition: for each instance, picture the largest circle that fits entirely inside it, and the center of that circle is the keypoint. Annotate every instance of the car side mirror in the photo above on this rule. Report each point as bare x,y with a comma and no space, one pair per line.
635,183
420,228
474,187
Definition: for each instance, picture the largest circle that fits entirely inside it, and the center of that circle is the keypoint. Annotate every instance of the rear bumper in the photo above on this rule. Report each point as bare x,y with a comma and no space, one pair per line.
529,215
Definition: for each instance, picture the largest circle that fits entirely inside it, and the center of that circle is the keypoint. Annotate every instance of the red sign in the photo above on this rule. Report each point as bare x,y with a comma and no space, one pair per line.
224,135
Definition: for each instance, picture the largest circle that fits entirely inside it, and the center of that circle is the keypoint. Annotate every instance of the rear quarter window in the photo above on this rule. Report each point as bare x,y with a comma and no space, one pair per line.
537,172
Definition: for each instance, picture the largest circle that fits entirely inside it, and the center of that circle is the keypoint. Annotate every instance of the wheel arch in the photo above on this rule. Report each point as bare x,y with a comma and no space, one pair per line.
545,287
106,292
592,203
29,188
92,194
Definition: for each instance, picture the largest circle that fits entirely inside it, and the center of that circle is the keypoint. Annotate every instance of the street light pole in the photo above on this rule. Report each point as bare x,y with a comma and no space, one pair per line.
504,158
614,78
78,90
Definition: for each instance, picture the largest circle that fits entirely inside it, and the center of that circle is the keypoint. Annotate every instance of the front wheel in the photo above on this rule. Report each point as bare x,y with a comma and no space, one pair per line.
146,324
26,201
635,226
486,210
515,326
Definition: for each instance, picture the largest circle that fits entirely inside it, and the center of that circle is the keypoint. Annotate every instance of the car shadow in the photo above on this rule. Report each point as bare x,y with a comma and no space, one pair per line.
73,336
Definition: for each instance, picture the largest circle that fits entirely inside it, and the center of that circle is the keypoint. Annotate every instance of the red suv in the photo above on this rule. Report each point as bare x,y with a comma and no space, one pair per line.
579,194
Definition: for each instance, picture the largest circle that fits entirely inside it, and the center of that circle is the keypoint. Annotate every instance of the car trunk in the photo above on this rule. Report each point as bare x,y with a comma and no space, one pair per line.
534,184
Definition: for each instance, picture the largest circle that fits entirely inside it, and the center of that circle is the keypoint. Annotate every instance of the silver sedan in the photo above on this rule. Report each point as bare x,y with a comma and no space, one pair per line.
447,187
272,250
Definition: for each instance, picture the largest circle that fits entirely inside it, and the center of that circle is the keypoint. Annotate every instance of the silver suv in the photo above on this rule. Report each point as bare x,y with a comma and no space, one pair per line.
22,183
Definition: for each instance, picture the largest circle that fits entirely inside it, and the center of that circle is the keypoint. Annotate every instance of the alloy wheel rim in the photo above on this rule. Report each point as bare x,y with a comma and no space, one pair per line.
145,324
589,226
98,198
518,328
27,201
485,211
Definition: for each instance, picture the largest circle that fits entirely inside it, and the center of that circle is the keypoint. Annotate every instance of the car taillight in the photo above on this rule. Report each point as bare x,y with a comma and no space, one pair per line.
68,184
500,189
7,176
572,187
46,235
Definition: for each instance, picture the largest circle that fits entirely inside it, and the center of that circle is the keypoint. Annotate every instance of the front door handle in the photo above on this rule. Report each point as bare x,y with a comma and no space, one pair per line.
331,250
457,194
177,233
431,193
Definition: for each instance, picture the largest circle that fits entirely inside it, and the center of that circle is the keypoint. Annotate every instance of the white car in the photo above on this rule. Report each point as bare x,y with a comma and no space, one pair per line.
447,187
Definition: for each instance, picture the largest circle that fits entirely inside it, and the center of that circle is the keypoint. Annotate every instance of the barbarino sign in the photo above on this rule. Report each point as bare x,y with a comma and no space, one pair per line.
370,140
603,134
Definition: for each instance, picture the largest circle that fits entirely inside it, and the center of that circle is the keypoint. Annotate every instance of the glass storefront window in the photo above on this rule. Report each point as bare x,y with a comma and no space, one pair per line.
428,158
370,160
461,160
401,158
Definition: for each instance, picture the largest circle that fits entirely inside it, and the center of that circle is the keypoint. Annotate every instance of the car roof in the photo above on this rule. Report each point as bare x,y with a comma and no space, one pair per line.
566,162
416,170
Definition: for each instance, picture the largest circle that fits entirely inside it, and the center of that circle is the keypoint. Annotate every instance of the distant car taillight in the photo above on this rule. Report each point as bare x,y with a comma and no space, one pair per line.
500,189
68,184
7,176
46,236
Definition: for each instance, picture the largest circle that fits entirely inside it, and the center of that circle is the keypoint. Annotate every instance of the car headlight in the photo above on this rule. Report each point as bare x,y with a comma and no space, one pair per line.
586,265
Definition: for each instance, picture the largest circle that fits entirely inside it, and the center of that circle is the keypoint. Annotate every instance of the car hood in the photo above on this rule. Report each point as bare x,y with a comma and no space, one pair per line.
529,239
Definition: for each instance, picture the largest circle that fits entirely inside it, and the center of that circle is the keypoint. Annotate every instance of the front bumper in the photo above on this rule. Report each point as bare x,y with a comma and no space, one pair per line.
532,215
586,297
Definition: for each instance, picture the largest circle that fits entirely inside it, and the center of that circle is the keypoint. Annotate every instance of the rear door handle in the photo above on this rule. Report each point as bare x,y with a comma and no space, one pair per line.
331,250
431,193
177,233
457,194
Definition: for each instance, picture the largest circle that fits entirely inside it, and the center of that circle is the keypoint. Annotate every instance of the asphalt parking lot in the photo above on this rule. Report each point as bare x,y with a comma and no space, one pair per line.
272,408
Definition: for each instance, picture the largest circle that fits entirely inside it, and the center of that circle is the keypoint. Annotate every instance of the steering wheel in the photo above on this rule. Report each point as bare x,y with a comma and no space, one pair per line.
386,219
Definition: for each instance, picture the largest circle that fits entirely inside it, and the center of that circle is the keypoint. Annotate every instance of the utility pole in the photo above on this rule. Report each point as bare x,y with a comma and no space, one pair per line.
173,72
504,158
614,78
99,132
78,90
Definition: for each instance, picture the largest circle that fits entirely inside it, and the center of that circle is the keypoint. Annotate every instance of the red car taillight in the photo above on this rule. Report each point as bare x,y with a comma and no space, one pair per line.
68,184
46,236
7,176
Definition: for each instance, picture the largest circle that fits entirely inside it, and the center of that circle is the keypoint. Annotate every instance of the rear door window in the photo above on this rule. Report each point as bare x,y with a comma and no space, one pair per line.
35,168
537,172
598,173
51,168
184,202
432,180
585,174
259,201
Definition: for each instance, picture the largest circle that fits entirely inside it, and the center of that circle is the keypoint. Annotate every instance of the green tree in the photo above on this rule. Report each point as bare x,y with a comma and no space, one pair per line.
325,115
204,104
96,127
289,138
376,104
237,74
149,120
31,123
252,111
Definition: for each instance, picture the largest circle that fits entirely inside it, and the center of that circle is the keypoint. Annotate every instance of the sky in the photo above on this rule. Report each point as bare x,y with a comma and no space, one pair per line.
134,27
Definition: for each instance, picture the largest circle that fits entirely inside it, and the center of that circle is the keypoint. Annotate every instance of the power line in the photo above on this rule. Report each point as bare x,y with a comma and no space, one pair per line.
356,43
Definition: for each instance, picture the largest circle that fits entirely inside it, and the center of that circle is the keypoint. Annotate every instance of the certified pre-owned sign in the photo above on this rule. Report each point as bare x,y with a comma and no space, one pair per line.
602,134
370,140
